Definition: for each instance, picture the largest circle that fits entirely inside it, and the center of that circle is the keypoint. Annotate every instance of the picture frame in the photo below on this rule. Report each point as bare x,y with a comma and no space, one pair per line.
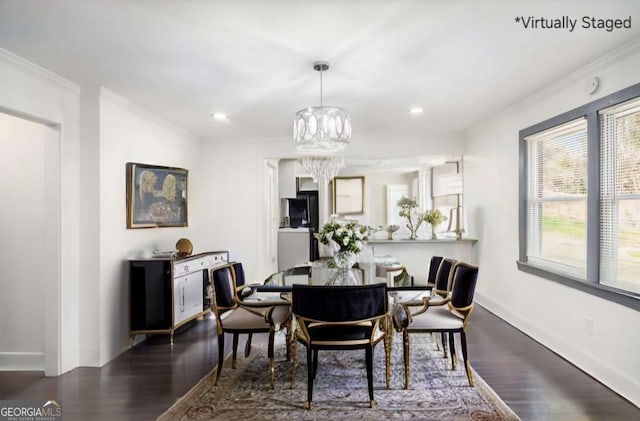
156,196
348,195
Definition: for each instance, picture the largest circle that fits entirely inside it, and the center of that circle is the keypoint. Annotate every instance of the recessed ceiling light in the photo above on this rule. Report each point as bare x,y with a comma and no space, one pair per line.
416,110
219,116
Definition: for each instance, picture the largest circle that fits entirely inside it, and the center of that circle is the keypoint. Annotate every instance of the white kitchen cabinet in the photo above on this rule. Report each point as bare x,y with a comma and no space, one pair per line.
287,178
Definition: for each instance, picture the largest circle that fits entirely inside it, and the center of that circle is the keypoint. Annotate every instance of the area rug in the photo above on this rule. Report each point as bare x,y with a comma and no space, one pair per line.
340,390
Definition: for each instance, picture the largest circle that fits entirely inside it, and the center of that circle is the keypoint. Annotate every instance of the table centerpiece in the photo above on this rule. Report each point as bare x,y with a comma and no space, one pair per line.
345,241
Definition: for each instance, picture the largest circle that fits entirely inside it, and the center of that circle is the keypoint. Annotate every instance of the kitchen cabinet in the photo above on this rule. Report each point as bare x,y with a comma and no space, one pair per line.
287,178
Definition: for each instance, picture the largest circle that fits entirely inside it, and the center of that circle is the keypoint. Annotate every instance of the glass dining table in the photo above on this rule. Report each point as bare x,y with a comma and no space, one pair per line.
277,289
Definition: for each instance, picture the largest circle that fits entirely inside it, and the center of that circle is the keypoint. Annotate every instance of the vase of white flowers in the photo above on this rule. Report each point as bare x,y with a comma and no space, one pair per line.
434,218
345,241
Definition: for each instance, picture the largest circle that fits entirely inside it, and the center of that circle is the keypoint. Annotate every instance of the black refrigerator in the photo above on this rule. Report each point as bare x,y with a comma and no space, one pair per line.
310,199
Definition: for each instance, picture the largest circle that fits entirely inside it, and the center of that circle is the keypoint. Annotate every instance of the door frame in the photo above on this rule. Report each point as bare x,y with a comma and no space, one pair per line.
52,293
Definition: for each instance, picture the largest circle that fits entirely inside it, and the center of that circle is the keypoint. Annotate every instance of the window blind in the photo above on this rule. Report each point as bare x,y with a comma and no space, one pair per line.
556,197
620,196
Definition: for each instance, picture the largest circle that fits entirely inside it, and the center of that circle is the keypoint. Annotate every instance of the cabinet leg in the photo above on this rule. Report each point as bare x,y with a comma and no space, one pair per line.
171,339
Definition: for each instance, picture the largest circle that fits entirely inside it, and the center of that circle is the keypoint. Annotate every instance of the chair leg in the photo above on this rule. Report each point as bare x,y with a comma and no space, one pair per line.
452,350
288,326
220,356
293,346
272,359
309,377
436,341
388,337
369,361
247,346
444,344
467,366
235,351
294,366
405,340
315,363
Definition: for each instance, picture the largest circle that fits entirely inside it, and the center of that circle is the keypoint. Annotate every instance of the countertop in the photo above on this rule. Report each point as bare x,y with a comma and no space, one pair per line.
302,229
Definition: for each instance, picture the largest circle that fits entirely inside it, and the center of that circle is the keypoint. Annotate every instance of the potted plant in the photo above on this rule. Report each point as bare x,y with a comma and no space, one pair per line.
409,210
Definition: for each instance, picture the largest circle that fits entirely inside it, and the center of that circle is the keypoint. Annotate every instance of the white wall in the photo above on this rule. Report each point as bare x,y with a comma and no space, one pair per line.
233,210
129,134
551,313
85,240
375,196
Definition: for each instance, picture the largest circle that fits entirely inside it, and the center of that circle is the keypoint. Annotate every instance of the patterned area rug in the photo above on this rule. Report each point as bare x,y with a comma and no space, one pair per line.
340,389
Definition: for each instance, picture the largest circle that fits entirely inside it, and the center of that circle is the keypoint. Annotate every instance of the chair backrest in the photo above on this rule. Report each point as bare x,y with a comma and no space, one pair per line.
399,277
434,264
339,303
238,274
223,286
465,277
444,276
296,275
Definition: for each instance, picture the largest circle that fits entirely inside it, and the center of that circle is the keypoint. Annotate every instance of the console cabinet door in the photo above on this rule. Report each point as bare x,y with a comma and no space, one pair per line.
188,297
150,295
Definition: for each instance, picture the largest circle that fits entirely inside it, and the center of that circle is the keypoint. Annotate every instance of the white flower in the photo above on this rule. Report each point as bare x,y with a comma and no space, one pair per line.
345,241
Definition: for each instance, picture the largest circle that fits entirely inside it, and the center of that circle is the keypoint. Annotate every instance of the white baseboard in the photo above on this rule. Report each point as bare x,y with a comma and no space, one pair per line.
89,357
618,382
21,361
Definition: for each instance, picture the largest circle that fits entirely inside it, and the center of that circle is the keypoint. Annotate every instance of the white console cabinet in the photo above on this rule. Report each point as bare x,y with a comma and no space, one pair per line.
166,293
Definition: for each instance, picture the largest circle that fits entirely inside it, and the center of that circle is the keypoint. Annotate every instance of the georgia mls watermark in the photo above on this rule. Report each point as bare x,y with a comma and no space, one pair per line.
30,410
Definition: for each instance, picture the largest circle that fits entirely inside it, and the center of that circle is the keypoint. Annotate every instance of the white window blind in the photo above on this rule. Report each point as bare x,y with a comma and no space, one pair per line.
620,196
557,196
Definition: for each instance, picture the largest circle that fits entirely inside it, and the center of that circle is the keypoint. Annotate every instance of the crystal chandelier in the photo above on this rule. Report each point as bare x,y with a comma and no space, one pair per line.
322,168
321,129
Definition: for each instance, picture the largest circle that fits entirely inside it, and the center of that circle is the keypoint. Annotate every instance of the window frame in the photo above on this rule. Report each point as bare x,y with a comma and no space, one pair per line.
591,284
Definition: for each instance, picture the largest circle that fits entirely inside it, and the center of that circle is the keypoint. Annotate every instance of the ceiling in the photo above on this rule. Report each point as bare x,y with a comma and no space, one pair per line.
459,60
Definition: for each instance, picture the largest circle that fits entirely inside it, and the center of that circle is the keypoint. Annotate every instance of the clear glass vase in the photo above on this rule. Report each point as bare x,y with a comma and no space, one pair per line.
344,262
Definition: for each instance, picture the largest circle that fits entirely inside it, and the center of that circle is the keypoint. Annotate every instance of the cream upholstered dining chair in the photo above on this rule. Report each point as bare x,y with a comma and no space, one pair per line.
341,318
235,316
446,315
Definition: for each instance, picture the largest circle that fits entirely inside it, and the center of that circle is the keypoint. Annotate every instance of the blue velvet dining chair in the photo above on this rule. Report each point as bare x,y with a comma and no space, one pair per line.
341,318
448,315
236,317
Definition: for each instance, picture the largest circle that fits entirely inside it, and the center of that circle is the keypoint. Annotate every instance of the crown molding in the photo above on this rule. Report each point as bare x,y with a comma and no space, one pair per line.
143,112
37,71
626,50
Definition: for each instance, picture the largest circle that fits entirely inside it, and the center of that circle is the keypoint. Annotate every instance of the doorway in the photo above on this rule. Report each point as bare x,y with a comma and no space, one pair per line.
29,228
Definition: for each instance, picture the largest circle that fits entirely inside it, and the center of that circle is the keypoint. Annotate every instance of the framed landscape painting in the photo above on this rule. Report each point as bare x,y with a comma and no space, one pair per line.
156,196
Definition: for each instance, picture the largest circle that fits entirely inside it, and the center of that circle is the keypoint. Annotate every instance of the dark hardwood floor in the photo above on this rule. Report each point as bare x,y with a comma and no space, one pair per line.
144,381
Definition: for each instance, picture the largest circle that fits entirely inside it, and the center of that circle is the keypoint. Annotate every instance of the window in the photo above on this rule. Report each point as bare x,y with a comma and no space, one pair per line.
620,196
580,198
557,198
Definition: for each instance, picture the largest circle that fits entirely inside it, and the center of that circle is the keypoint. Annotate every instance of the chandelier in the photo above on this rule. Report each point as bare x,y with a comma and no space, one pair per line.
321,129
322,168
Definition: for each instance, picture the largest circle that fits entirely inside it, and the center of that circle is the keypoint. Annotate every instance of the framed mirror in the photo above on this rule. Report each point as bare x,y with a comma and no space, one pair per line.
348,195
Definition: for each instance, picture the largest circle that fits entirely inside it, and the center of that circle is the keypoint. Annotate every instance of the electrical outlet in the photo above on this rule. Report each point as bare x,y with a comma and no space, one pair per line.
588,326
